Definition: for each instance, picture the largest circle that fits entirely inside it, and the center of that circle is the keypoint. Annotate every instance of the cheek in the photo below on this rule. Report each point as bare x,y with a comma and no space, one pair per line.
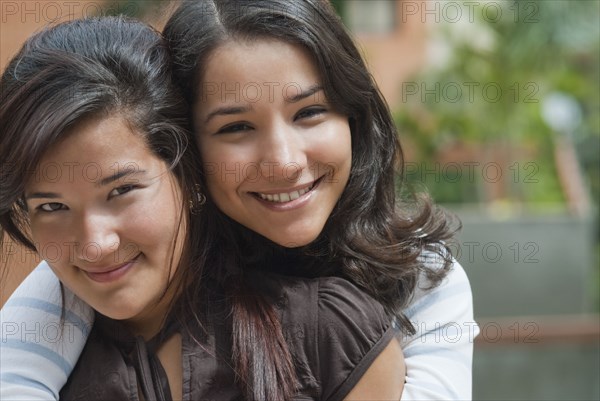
344,148
153,224
339,157
39,233
53,244
333,147
225,167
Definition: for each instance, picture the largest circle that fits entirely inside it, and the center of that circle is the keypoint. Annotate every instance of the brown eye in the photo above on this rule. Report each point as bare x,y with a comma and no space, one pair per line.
122,190
51,206
310,112
233,128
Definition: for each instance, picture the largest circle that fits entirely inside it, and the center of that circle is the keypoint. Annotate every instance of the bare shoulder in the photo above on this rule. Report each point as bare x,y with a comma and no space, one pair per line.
384,380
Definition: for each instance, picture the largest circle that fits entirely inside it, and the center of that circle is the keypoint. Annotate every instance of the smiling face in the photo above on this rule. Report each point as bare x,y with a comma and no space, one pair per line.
276,154
104,213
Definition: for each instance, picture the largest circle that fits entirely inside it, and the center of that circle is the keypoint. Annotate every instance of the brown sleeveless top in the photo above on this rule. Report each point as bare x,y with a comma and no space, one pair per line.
334,332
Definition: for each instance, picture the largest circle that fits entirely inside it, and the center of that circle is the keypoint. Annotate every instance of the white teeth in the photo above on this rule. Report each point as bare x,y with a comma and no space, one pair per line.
284,196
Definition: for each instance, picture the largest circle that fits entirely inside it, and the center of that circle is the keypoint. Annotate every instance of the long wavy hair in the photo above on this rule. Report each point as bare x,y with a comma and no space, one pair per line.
95,68
376,239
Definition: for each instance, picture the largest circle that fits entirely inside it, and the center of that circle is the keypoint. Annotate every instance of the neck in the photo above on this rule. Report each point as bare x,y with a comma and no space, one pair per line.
150,322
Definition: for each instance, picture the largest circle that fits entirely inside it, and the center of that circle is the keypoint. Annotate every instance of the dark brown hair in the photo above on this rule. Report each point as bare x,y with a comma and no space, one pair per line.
379,242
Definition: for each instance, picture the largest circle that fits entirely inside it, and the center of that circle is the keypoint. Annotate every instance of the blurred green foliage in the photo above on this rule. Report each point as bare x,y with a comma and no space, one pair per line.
339,6
487,87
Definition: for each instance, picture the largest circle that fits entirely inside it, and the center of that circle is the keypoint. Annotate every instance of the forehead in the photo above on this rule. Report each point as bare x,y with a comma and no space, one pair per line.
97,146
264,62
97,135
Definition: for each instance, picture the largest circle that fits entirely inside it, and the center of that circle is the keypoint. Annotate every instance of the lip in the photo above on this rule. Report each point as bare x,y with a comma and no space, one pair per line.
290,205
292,189
112,273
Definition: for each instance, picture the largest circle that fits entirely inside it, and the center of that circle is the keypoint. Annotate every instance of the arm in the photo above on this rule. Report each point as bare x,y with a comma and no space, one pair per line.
439,356
35,359
384,380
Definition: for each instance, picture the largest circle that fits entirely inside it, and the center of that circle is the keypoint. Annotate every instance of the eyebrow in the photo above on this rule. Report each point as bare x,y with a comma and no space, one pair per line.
105,181
118,175
226,110
47,195
303,95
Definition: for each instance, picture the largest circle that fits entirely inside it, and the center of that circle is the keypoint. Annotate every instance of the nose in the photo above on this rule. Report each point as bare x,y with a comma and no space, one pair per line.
282,153
97,238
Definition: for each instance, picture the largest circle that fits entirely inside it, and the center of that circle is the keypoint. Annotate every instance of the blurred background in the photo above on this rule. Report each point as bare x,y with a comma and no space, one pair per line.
498,108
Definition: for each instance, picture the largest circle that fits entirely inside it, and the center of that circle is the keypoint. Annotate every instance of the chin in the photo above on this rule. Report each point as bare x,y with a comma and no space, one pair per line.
117,313
293,244
294,241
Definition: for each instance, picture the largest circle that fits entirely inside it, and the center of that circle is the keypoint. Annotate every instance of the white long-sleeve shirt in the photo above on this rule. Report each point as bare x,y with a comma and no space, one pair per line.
36,358
439,356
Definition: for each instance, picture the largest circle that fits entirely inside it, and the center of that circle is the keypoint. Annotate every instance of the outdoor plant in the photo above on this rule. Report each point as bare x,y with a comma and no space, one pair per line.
482,98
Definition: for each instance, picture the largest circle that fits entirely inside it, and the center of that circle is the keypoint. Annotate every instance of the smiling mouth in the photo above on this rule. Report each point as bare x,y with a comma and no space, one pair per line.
112,274
284,197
